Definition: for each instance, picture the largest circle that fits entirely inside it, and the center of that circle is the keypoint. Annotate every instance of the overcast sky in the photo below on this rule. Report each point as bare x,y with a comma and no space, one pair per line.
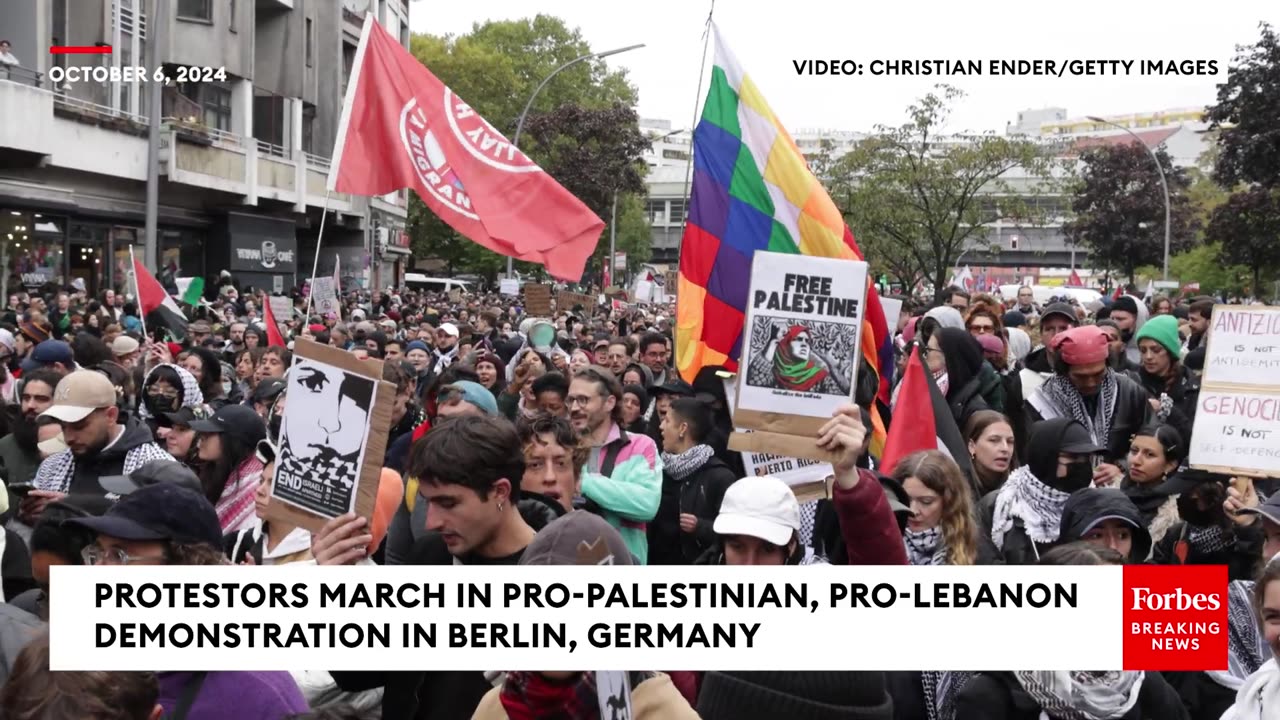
768,36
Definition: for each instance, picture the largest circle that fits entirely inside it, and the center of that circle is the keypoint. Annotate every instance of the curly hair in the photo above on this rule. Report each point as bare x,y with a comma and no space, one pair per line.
940,474
532,429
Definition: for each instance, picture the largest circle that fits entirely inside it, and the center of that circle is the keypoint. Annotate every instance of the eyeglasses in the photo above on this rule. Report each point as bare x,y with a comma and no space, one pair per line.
94,555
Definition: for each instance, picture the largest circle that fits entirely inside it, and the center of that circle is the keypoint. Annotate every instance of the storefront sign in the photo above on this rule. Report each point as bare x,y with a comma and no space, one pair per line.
36,278
261,244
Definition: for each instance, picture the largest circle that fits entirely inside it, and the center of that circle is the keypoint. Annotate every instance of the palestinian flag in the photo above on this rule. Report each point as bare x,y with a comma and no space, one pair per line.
157,307
922,421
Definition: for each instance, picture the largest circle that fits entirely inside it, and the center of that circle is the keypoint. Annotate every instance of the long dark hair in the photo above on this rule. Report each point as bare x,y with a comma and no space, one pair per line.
210,373
214,475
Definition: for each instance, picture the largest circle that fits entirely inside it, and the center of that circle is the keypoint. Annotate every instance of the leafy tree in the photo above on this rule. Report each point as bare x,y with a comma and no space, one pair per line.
1248,227
916,198
1119,208
593,153
1247,115
495,68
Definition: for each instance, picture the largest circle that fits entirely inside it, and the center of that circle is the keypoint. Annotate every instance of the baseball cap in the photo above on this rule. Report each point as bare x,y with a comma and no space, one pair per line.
123,345
151,473
237,421
200,326
762,507
449,329
185,416
47,353
577,538
163,511
1060,308
1187,479
474,393
674,386
268,390
7,340
79,394
1076,440
1269,509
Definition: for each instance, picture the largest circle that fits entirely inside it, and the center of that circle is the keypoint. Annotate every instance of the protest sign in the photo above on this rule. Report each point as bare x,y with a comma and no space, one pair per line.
537,300
509,286
325,296
1243,347
566,302
333,437
455,295
892,308
799,351
281,308
1237,433
1237,424
806,478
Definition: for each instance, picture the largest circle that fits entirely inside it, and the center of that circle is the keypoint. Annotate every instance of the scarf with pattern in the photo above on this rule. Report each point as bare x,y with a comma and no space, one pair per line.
1064,395
925,547
940,691
681,465
1080,695
1037,505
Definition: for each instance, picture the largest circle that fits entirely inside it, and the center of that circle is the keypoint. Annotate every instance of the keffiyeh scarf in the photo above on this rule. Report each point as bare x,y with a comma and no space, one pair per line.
1246,647
1036,504
940,691
925,547
57,471
1079,695
1209,539
1064,395
681,465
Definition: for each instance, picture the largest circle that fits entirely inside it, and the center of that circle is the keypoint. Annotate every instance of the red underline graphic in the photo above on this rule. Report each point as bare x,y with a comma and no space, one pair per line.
80,50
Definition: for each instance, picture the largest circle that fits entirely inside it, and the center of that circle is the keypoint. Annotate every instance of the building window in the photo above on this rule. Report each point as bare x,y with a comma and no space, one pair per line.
232,24
308,127
671,154
195,10
310,42
676,215
216,100
656,210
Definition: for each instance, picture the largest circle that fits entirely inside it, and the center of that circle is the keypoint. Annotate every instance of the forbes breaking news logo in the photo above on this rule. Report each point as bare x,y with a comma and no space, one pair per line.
1175,617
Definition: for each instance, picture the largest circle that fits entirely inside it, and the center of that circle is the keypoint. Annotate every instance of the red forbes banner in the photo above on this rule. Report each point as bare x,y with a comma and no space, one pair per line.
401,127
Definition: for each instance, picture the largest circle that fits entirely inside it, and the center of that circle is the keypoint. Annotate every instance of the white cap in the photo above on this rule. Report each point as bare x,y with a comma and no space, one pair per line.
449,329
123,345
8,340
762,507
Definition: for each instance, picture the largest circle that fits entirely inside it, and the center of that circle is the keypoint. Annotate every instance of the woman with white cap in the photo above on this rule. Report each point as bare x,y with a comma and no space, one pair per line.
759,520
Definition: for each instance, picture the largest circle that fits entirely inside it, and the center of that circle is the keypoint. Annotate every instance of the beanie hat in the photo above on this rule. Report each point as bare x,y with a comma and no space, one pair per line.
1014,319
1164,330
1125,303
822,695
417,345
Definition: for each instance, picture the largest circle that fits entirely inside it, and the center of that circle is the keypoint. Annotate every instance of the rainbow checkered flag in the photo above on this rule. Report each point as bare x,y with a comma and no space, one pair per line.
753,190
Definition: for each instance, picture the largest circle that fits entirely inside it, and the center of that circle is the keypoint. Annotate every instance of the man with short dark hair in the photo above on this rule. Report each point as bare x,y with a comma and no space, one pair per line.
653,353
274,363
1026,303
623,474
1198,321
19,450
619,356
957,298
469,470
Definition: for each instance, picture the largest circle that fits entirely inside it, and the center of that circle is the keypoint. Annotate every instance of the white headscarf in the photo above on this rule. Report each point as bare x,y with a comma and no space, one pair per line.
1019,344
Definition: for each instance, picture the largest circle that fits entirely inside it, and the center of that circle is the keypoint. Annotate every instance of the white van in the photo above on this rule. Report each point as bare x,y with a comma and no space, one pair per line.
418,281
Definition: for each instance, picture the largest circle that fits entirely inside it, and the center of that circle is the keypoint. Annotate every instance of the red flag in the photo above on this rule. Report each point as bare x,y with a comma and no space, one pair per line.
401,127
274,338
1074,280
913,422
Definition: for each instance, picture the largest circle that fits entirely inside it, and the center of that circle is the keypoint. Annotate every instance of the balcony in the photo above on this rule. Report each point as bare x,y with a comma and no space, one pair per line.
274,5
71,133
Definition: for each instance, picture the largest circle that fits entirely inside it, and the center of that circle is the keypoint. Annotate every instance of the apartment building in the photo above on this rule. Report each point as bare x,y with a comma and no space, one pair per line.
243,160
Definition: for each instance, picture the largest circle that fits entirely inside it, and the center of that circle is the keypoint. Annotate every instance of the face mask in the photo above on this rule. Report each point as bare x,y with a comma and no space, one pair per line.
159,404
1079,475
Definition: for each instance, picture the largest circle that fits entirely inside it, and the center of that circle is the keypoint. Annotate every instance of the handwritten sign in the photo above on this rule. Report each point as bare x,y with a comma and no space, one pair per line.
537,299
1237,431
281,309
325,296
566,302
509,286
1244,347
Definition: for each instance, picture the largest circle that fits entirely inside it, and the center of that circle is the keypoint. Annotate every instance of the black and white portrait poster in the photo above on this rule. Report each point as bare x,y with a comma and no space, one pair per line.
327,419
803,329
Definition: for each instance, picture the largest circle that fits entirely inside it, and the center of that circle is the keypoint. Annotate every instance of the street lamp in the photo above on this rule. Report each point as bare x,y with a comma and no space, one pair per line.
1163,184
515,141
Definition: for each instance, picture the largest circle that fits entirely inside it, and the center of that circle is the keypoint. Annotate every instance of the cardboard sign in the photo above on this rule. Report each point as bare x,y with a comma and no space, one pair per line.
537,300
333,437
325,296
806,478
1237,432
455,295
566,301
1243,347
800,348
509,286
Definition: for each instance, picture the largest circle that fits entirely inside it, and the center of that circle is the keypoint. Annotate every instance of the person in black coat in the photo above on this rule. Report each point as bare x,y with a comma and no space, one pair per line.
1031,695
694,481
1163,375
1206,536
1107,518
972,384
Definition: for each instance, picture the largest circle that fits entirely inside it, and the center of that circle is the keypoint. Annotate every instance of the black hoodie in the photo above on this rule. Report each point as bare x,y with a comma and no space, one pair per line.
79,475
1086,508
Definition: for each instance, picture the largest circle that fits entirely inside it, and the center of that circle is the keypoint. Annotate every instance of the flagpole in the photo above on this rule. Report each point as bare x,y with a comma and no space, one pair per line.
315,264
137,291
693,129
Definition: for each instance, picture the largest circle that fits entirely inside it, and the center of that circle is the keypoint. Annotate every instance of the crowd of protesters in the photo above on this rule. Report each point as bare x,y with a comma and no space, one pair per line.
515,438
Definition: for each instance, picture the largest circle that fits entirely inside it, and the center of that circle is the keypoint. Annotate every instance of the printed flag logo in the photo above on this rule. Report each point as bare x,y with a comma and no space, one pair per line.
1175,617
